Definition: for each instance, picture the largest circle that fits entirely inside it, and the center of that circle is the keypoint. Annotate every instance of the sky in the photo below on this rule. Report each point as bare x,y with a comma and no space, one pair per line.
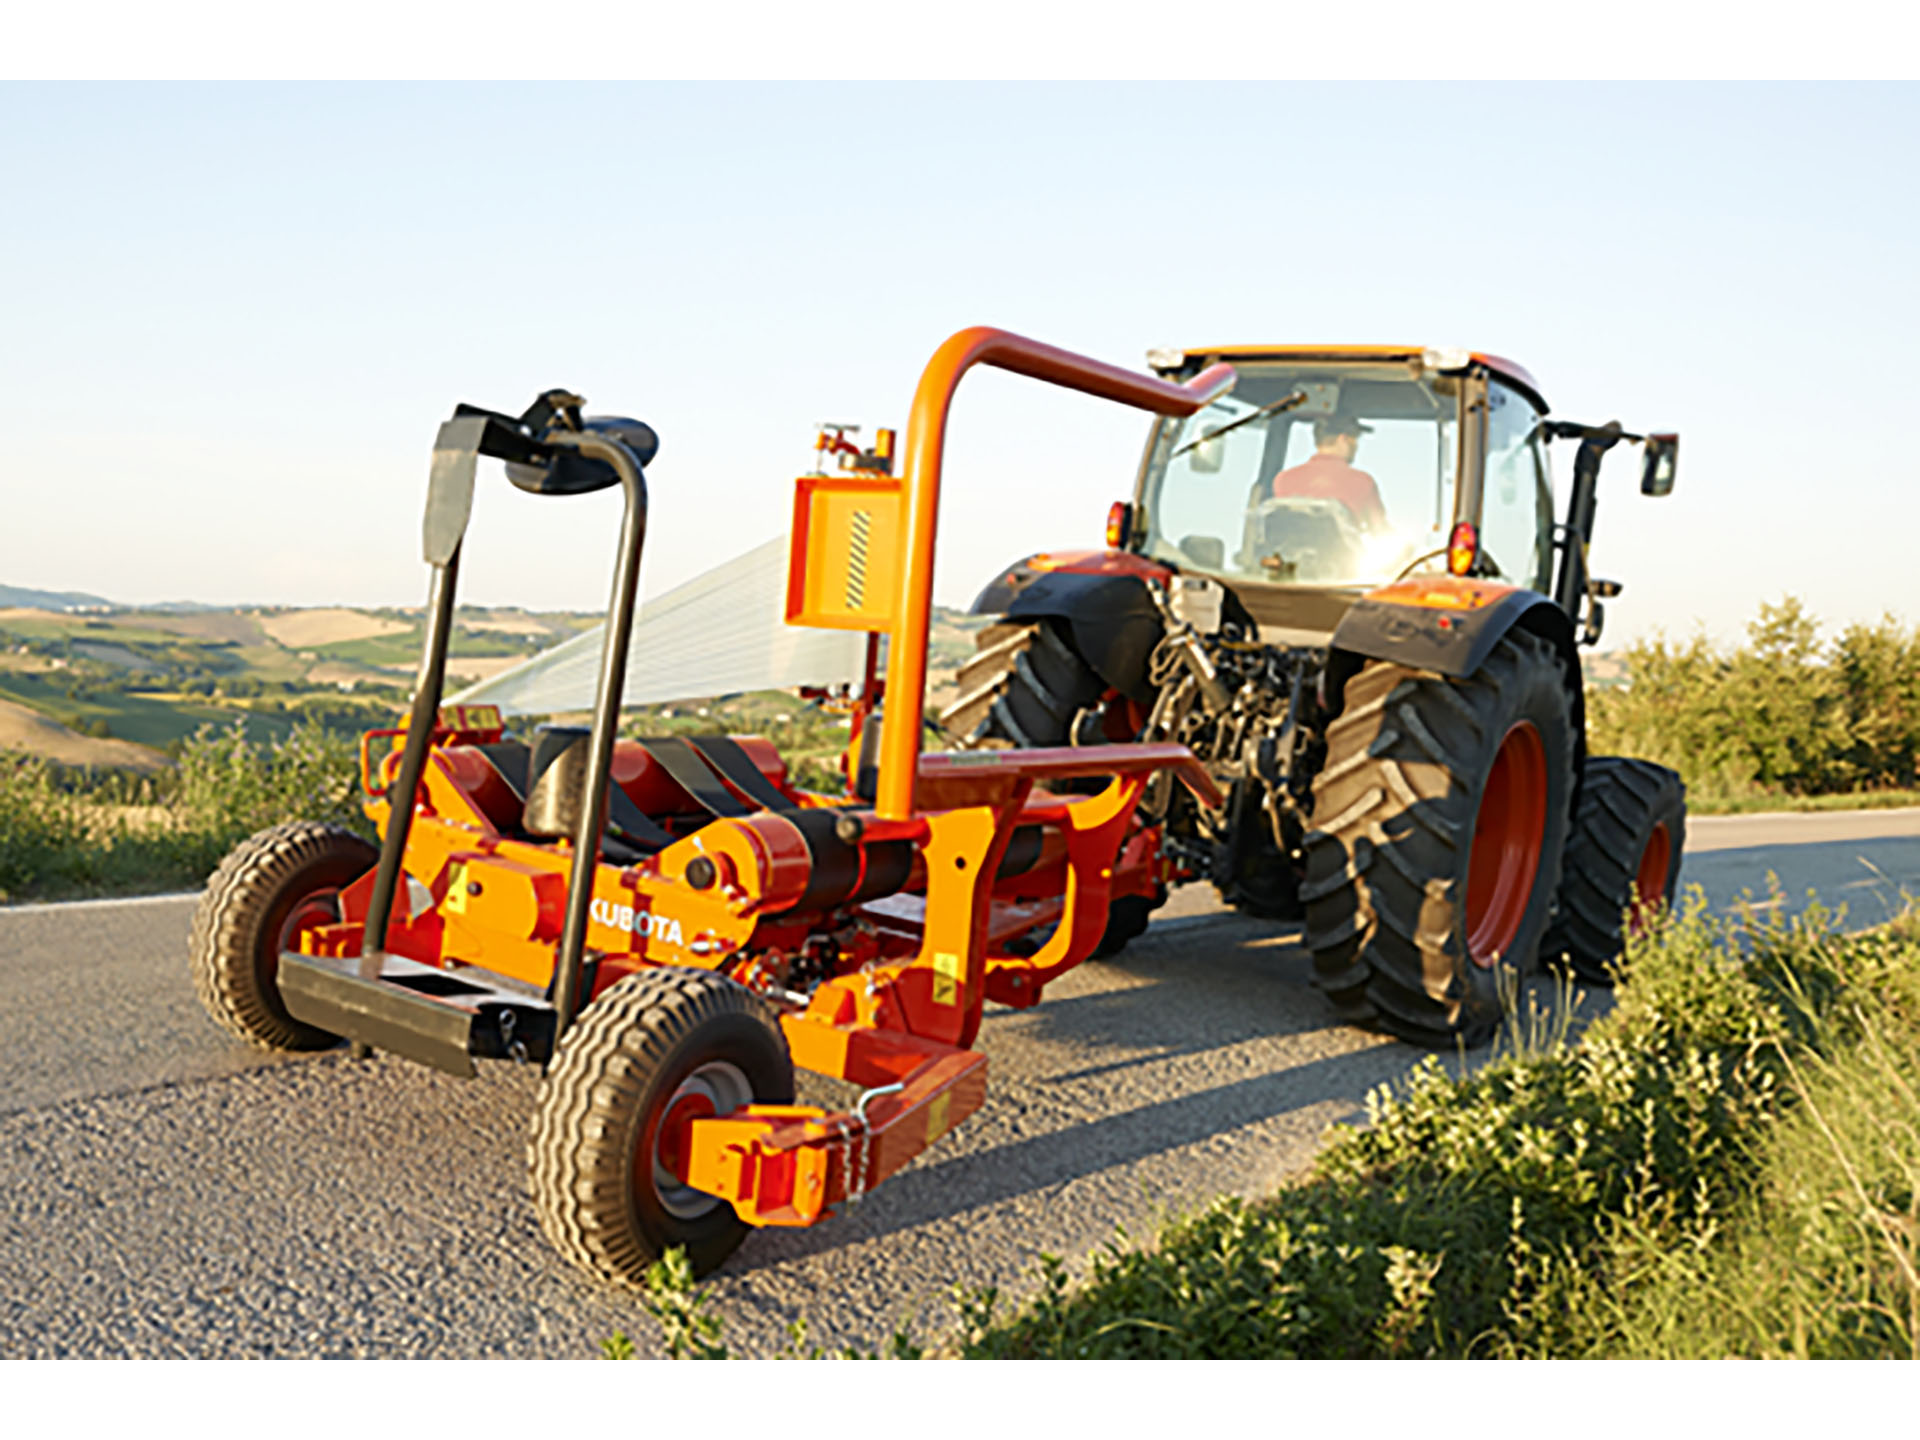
233,315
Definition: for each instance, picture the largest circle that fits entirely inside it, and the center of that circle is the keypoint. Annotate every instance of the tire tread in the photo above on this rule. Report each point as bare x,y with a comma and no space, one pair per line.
578,1155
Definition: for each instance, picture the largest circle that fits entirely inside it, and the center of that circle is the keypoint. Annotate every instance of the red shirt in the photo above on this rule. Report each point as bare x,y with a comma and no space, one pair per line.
1328,477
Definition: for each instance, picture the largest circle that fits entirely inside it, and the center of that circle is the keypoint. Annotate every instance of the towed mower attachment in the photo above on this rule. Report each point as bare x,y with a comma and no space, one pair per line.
516,882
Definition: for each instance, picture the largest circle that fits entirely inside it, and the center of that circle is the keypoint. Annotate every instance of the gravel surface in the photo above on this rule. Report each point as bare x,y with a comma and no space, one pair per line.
167,1192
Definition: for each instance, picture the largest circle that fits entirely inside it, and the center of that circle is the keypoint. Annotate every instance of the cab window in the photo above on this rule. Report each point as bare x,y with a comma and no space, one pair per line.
1516,511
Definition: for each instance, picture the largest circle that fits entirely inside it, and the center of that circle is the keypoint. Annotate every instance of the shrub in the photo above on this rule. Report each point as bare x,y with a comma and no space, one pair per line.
230,787
66,832
1781,716
43,830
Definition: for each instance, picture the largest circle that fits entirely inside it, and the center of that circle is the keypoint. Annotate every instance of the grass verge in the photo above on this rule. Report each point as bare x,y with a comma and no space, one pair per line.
1724,1165
1708,802
67,834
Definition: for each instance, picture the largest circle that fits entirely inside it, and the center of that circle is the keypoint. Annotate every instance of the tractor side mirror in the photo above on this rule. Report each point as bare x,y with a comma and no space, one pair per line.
1661,458
1596,622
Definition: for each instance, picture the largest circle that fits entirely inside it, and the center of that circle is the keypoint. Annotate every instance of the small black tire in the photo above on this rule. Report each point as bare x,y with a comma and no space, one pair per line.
260,894
1397,814
1024,689
1626,842
1127,920
1280,901
647,1042
1261,882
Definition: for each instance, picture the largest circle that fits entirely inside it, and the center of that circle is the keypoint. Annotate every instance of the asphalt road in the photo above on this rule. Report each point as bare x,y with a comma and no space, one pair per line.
164,1192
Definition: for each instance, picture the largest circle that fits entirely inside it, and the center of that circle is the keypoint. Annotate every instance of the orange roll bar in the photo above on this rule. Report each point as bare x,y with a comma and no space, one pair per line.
926,449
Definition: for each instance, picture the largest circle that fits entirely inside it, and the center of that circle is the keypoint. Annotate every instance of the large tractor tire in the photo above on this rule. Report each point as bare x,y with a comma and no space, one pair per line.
1023,687
1623,855
655,1050
267,890
1439,820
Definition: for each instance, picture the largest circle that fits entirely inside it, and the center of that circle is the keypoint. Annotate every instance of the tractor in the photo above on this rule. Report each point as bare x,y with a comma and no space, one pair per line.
669,926
1343,587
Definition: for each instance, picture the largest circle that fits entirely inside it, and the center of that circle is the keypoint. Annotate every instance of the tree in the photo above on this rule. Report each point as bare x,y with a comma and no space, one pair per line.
1788,701
1879,675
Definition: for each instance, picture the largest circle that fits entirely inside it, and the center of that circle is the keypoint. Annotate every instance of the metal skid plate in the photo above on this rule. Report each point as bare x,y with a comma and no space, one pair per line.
437,1017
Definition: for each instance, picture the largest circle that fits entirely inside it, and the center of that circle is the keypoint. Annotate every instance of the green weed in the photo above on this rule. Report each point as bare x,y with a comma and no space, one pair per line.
1726,1164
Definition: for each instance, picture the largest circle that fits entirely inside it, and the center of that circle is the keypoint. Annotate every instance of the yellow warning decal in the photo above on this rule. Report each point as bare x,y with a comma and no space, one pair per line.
946,978
469,717
937,1116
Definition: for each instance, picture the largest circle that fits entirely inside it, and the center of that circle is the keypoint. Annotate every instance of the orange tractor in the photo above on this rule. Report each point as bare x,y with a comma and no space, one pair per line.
669,926
1344,588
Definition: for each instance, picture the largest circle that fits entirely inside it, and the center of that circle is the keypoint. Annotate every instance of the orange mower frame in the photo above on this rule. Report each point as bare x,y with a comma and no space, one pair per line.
873,928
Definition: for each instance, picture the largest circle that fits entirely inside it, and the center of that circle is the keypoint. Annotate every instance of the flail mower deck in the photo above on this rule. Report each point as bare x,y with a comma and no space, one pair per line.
671,925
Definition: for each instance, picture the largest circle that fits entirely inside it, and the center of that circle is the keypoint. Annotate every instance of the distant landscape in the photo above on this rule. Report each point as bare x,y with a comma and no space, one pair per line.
1784,721
86,683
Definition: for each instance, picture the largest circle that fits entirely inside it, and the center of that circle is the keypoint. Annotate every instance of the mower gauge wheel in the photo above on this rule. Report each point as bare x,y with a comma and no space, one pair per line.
265,892
716,1088
655,1051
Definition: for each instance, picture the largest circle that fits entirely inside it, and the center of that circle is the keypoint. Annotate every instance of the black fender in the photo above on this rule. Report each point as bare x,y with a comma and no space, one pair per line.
1449,624
1113,620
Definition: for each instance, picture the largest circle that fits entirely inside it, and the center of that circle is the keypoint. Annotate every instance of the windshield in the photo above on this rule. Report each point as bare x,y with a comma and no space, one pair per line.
1347,478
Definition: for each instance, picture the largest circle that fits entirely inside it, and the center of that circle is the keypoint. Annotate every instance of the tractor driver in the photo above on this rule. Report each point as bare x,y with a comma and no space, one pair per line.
1330,474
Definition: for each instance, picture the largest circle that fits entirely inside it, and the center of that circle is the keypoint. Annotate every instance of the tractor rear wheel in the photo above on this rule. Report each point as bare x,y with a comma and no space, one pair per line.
1439,819
655,1050
1623,854
1023,687
267,890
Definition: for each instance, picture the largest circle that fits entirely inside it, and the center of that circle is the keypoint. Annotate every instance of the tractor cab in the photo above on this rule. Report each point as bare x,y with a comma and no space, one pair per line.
1330,471
1346,469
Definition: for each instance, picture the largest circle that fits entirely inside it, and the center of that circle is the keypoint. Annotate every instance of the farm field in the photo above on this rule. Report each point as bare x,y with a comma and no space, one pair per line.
121,687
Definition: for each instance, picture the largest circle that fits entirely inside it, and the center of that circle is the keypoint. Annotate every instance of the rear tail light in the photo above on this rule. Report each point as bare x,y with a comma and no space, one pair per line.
1119,525
1463,548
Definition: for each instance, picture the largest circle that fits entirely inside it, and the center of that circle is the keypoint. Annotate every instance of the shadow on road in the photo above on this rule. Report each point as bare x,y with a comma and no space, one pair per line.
1209,1040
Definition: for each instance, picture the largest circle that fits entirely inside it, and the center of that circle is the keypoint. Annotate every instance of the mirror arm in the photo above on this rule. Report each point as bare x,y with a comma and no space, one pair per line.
1595,440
